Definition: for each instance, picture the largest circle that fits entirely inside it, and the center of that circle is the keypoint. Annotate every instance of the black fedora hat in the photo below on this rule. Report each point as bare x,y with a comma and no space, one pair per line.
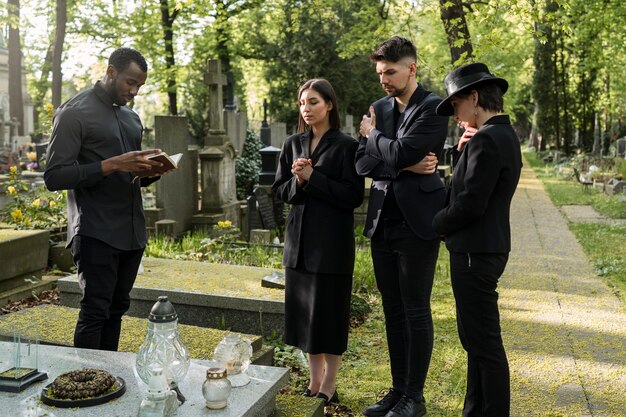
466,76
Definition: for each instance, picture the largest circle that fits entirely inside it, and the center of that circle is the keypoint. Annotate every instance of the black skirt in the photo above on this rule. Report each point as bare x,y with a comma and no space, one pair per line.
317,311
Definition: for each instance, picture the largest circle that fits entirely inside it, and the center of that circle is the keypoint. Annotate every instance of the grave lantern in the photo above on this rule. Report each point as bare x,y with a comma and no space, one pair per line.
159,401
163,348
19,360
269,164
234,353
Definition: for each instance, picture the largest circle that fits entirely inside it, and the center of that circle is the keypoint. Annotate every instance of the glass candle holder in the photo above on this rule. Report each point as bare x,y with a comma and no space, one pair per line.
216,388
19,360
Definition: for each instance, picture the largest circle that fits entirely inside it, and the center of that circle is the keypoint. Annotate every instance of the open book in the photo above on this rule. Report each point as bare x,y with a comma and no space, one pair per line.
169,162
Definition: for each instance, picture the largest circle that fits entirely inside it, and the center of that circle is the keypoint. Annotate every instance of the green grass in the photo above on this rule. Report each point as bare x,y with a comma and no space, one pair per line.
606,247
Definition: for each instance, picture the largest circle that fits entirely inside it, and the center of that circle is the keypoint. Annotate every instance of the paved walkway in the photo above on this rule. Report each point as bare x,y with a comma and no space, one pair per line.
565,331
587,214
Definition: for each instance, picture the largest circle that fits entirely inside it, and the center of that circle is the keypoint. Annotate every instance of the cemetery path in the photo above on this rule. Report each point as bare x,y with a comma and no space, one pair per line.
563,327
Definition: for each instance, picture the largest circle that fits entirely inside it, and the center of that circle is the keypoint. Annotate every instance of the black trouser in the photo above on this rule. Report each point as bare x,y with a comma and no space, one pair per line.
474,282
106,275
405,267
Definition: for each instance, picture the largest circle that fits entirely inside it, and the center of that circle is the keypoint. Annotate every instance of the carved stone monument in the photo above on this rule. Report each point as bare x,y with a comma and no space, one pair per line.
217,160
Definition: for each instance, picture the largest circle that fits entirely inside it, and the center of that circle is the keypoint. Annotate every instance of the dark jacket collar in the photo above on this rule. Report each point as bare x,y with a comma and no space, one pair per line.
500,119
305,139
102,94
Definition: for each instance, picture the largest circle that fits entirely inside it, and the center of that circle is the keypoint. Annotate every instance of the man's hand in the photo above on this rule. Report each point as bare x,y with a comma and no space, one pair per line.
467,135
134,161
428,165
368,123
302,169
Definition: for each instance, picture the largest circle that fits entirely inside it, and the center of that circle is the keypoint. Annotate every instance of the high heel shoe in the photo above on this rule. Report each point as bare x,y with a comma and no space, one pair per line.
307,393
327,401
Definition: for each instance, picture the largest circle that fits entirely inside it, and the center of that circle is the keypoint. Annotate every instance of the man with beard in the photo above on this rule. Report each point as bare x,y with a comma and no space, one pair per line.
94,153
401,130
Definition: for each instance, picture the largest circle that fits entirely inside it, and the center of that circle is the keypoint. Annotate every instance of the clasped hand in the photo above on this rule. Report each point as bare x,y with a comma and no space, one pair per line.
302,169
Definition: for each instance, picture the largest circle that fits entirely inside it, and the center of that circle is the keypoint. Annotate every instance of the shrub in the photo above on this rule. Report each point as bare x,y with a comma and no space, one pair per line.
32,209
248,166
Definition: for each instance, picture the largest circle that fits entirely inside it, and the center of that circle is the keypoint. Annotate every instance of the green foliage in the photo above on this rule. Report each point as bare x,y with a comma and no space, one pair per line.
36,209
248,165
602,243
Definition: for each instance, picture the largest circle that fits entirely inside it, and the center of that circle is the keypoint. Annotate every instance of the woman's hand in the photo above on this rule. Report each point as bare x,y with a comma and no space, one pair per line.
302,169
425,166
467,135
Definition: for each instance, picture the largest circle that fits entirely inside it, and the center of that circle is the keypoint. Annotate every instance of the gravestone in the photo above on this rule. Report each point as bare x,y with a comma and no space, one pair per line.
217,160
266,207
620,147
236,125
176,192
279,134
348,127
266,132
615,186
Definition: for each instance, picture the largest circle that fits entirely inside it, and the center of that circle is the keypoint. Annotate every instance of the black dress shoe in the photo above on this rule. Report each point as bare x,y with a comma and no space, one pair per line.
382,407
327,401
307,393
408,407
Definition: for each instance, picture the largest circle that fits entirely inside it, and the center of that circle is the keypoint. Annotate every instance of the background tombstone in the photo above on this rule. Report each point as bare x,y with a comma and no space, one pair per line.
620,147
176,192
279,134
348,126
266,132
217,161
236,126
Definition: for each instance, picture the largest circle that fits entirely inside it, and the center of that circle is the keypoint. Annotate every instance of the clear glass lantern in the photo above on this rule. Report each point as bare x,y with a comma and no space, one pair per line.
160,401
233,353
19,359
163,348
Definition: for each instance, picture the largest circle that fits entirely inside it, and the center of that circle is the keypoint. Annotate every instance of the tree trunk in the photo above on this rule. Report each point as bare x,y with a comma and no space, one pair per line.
41,87
16,99
167,21
457,32
57,54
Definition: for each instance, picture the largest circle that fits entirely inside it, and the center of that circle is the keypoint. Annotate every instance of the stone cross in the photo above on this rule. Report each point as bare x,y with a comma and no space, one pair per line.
215,80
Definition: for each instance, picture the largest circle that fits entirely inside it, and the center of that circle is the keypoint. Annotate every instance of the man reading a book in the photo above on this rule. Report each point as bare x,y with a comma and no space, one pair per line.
94,153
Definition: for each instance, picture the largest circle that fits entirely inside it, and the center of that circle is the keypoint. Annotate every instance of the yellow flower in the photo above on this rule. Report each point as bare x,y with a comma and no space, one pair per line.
52,204
13,169
37,203
11,190
17,215
26,222
32,156
226,224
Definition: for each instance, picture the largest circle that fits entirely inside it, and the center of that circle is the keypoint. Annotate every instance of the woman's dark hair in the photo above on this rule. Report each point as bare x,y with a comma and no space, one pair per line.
122,57
394,49
490,96
327,92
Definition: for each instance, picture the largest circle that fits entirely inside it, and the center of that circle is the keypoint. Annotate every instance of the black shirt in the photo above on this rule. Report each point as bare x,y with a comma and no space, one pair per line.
86,130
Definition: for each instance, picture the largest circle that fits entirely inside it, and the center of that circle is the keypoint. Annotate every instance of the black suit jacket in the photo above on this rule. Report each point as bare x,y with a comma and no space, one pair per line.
320,226
386,152
484,181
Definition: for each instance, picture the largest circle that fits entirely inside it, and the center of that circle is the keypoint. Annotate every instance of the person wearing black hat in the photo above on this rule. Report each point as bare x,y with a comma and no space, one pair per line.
398,139
475,225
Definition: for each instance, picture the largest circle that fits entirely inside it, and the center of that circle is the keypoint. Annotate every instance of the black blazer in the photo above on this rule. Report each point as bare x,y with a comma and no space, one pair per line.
320,226
484,181
386,152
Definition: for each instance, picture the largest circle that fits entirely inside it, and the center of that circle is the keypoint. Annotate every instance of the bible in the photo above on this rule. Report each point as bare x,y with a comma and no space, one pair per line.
169,162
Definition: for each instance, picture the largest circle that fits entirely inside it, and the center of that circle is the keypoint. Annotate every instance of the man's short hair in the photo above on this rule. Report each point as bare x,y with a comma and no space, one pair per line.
122,57
394,49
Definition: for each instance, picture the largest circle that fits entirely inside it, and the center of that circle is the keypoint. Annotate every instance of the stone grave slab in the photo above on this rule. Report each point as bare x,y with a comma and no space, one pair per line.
56,327
257,399
204,294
